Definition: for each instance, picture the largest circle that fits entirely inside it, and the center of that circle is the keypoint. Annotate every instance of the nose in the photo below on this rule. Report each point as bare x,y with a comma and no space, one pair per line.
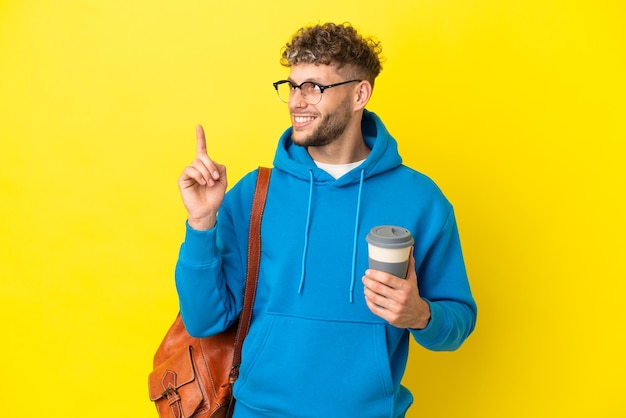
297,99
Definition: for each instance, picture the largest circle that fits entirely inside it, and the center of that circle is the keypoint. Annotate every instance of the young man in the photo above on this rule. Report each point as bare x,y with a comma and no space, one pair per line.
329,338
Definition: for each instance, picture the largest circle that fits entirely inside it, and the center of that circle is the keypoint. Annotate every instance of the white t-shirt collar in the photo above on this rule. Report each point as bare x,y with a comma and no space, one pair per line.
338,170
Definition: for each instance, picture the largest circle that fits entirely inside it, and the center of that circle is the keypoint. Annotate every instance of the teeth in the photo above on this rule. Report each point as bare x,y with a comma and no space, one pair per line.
303,119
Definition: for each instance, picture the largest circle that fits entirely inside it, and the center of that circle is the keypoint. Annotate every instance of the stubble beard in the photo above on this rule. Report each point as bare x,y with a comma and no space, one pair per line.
330,128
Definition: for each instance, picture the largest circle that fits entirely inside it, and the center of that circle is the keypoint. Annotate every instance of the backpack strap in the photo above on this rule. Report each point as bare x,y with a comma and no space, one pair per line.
254,259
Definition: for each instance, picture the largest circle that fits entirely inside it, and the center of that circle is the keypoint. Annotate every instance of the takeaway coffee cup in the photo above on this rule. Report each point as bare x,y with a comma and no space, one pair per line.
388,249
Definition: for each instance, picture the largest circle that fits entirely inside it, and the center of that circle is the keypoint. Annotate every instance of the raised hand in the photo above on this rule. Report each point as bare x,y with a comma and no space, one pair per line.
202,186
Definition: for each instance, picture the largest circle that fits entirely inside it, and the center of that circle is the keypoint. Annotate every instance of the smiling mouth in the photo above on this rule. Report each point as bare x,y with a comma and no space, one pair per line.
303,119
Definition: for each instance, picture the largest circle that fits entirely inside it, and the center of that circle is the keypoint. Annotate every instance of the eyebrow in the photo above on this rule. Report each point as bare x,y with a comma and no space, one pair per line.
316,81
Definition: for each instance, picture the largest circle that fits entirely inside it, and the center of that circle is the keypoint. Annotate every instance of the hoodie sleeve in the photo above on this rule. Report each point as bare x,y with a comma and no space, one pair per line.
443,283
210,271
205,305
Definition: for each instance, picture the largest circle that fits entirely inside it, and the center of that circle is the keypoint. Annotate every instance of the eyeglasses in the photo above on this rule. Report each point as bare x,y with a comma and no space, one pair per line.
311,92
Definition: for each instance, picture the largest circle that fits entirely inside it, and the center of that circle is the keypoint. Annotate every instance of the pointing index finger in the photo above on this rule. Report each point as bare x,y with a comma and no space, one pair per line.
201,141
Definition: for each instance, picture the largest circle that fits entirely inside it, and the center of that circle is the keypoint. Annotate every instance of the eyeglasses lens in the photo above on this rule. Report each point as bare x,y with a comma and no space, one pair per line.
309,91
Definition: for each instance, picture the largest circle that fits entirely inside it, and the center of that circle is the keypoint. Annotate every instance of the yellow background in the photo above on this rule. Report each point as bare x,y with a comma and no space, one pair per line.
515,108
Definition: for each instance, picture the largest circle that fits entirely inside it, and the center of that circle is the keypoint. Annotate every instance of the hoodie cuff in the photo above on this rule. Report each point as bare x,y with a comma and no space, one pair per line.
199,248
429,335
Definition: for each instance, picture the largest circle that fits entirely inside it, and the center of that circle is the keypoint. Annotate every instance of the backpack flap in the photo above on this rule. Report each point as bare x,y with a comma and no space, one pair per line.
174,386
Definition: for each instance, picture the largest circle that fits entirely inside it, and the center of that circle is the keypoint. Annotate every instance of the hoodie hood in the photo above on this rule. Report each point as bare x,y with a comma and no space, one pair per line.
296,161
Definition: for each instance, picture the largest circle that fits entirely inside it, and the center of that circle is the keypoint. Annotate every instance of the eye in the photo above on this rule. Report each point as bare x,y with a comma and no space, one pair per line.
310,88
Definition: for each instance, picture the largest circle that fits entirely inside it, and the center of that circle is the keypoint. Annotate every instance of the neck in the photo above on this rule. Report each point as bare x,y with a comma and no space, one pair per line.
339,153
348,148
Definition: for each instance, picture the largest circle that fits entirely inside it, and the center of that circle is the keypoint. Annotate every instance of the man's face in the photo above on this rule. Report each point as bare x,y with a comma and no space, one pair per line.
323,123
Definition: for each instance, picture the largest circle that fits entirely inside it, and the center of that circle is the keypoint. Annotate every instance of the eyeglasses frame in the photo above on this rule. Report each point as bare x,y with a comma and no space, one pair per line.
321,87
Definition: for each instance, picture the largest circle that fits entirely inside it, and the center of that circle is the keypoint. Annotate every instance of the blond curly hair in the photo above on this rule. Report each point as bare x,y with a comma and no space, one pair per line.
333,44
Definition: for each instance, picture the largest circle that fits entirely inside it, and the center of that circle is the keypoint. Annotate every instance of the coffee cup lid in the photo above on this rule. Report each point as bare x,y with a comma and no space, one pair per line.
390,236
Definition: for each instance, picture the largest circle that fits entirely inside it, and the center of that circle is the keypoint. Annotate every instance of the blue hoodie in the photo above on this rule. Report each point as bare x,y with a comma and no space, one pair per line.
314,349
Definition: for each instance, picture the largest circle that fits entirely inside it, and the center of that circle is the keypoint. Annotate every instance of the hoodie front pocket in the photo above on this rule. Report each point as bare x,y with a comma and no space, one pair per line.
324,368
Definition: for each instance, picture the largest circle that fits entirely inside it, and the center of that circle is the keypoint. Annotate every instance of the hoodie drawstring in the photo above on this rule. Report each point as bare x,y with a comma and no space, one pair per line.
306,231
355,240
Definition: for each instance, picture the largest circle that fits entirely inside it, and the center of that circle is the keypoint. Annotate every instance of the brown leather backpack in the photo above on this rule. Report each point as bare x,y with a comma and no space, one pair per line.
193,377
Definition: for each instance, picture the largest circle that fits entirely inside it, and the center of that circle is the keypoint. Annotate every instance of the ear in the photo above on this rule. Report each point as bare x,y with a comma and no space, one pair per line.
363,92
